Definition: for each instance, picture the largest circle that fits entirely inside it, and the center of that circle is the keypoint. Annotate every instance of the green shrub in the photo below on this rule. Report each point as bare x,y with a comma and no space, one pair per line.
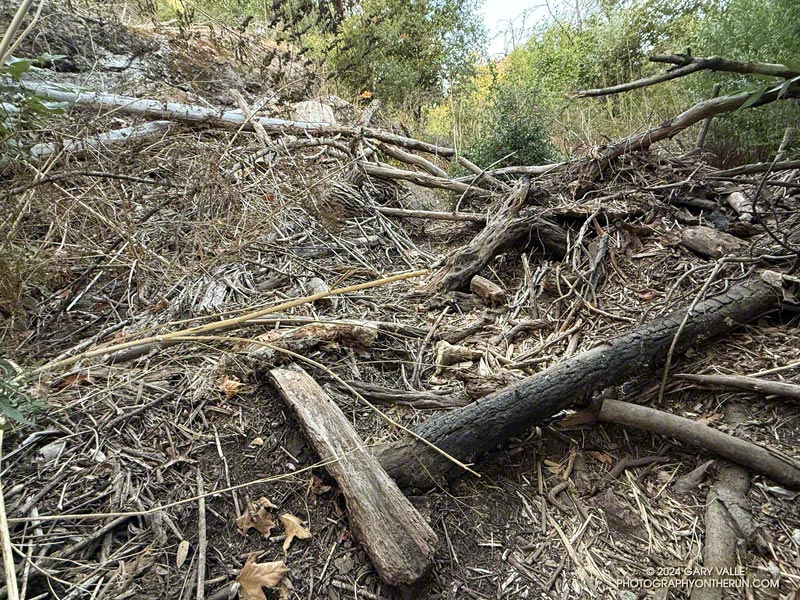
511,131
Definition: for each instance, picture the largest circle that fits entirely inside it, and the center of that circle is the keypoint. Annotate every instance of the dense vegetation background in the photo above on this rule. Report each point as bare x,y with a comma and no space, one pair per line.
425,60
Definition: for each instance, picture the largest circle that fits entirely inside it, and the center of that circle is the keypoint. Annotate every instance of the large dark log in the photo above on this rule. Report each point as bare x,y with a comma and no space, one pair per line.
468,432
396,537
509,227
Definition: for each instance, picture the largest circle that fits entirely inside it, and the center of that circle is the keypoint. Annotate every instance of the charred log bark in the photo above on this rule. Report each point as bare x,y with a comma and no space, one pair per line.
468,432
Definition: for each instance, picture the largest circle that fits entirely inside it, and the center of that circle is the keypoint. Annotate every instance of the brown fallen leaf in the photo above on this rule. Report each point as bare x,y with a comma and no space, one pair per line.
257,516
183,552
255,576
76,379
601,457
294,529
709,418
230,386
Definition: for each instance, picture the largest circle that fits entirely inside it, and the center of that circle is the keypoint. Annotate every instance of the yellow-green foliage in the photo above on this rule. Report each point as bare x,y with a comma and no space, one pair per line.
508,105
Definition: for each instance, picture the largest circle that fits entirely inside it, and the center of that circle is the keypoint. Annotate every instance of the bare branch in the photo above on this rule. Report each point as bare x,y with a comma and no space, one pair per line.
686,65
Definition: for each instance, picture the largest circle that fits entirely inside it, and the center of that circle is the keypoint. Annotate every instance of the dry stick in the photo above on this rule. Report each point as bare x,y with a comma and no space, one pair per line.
482,173
701,139
11,30
225,324
688,314
760,168
412,159
116,137
431,214
742,382
755,458
202,539
8,557
423,179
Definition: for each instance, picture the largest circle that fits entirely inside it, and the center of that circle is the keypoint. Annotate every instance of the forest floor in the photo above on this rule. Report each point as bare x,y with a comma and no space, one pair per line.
203,223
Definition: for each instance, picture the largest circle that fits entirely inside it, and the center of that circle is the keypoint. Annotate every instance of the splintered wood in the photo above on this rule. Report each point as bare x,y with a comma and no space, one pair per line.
395,536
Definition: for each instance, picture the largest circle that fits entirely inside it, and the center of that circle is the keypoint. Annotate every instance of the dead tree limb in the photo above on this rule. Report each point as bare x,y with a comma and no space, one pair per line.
698,112
760,168
111,139
754,457
718,63
509,227
686,65
468,432
748,384
397,539
412,159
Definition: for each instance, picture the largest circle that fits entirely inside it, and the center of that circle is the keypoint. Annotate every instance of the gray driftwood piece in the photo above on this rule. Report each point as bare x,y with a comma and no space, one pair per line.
468,432
511,227
756,458
395,536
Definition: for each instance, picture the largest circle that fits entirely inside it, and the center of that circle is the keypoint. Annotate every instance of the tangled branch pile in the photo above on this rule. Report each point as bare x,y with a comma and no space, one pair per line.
160,258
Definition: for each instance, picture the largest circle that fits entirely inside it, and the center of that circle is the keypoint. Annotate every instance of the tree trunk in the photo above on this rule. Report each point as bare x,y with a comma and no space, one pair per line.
470,431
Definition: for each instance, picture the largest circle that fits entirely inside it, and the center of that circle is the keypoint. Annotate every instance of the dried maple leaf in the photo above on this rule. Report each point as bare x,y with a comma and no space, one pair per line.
229,386
257,516
255,576
294,529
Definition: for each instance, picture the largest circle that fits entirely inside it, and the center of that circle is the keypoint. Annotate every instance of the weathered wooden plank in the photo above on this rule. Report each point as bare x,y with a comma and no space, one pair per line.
395,536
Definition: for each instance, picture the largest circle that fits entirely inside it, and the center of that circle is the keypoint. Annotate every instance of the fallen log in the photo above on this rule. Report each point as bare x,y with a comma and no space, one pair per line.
747,384
749,455
468,432
156,109
397,539
509,227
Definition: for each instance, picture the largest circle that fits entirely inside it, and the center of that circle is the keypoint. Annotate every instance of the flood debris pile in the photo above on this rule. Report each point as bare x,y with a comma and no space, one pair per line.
245,322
